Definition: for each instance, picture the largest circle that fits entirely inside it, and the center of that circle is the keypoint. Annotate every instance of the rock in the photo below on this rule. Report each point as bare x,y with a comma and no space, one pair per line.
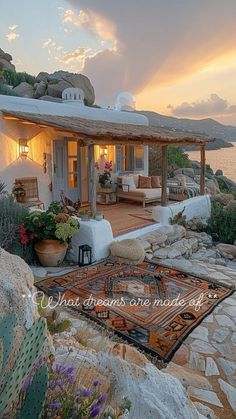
50,99
231,311
197,361
71,80
181,356
226,350
203,237
230,184
16,285
200,332
185,171
231,300
224,198
212,186
211,367
227,249
5,65
202,347
219,172
220,335
205,395
40,89
133,375
205,411
229,368
204,255
42,76
24,89
173,232
230,393
187,376
224,320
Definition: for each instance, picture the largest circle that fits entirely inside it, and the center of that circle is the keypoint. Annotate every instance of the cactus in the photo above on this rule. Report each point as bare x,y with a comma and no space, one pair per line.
35,395
7,336
29,352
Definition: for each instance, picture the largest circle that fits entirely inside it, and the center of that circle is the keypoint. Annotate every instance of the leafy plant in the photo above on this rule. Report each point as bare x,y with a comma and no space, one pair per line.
55,207
54,326
222,223
179,218
5,90
14,78
12,215
177,157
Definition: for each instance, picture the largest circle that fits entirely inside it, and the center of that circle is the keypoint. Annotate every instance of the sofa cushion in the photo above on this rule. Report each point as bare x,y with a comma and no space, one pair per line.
151,193
144,182
128,184
155,181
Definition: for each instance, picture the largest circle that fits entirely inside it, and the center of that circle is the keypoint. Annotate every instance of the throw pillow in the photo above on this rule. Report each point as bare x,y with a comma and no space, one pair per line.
144,182
128,184
155,181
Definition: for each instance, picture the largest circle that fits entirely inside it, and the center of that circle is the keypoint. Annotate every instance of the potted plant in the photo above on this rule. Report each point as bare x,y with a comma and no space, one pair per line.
18,191
51,233
104,177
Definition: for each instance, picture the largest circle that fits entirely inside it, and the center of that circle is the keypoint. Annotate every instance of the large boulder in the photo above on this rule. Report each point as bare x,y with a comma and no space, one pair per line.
40,89
42,76
188,171
212,186
227,250
24,89
16,284
66,80
5,61
224,198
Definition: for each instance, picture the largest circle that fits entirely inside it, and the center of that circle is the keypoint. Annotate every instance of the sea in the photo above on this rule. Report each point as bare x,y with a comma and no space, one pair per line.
224,159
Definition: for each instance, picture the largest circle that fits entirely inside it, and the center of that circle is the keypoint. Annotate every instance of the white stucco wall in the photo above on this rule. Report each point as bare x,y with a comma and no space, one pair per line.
12,166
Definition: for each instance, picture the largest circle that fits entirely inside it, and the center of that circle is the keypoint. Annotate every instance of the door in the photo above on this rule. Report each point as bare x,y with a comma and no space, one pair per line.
66,169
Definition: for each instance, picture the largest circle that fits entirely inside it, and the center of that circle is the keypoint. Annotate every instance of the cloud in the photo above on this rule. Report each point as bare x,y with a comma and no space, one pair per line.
214,105
157,41
12,27
90,21
12,36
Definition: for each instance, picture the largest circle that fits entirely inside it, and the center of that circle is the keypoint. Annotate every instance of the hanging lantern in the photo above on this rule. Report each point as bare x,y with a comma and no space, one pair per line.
85,255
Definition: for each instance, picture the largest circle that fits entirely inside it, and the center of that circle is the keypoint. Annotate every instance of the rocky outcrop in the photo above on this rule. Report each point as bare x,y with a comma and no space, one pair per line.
5,61
24,89
152,393
227,250
71,80
16,284
40,89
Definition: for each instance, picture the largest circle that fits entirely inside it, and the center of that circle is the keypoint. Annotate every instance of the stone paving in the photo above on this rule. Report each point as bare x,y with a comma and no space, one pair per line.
206,362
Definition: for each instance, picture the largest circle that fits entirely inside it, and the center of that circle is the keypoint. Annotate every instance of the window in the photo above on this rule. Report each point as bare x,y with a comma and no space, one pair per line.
130,158
72,164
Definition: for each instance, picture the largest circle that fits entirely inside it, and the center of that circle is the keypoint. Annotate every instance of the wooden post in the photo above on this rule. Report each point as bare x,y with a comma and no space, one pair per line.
203,170
164,167
92,180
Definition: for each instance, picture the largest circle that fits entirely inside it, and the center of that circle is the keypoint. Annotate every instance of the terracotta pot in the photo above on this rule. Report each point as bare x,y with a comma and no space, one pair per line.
21,198
50,252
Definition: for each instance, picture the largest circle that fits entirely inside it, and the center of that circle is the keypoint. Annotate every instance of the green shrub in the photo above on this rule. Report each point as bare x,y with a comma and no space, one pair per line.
222,224
12,215
177,157
13,78
5,90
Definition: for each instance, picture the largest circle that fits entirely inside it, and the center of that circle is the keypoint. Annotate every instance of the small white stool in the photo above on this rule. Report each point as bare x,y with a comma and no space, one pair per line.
97,234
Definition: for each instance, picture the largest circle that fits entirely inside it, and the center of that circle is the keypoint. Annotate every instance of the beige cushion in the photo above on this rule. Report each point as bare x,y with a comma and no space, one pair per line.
128,183
129,251
144,182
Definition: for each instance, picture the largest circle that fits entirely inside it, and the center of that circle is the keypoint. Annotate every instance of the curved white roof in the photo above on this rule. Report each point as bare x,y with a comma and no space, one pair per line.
43,107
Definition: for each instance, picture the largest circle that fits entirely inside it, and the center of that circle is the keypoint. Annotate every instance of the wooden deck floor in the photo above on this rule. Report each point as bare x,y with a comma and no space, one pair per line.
125,217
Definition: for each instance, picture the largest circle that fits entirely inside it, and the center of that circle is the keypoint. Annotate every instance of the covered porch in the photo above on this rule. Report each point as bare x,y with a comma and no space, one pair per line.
90,133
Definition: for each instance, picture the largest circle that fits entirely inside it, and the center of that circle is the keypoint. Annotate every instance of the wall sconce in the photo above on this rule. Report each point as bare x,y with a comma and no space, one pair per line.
104,150
23,146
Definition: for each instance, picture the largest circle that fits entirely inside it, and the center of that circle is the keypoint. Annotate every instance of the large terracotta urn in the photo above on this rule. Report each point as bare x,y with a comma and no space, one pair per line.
50,252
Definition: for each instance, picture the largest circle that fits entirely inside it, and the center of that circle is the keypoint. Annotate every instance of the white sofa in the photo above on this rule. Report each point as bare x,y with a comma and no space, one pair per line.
127,188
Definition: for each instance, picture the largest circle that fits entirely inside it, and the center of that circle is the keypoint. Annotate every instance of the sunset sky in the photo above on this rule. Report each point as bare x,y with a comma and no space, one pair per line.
178,57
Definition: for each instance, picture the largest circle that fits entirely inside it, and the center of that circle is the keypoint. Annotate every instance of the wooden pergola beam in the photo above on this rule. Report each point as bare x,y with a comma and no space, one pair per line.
203,170
92,180
164,167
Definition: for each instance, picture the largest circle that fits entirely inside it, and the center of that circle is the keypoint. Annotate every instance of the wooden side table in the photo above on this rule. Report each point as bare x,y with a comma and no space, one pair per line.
106,196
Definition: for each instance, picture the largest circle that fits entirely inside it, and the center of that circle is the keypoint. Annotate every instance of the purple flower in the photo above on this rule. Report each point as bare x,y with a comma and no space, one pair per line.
86,392
78,392
58,383
95,410
96,383
58,368
56,405
69,370
101,399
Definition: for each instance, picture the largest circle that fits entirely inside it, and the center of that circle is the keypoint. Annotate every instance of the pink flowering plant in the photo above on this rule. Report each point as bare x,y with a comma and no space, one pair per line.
105,176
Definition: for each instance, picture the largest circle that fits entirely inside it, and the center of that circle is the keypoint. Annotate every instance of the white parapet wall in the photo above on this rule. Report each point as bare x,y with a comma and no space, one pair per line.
97,234
199,206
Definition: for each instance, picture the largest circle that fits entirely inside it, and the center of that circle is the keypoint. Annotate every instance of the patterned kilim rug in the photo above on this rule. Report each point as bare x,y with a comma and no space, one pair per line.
153,307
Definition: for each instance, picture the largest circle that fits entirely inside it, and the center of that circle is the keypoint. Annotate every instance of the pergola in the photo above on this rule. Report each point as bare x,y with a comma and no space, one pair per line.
90,132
